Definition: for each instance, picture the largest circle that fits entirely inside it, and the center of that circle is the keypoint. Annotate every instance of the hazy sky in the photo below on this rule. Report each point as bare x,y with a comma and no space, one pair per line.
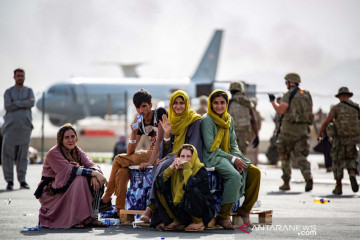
263,40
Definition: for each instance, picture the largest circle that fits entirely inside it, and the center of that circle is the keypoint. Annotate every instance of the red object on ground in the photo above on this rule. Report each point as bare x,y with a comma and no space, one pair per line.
97,132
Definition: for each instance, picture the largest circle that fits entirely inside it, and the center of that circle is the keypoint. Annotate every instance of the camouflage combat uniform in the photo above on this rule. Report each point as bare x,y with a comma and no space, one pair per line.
201,110
347,127
293,139
203,105
240,111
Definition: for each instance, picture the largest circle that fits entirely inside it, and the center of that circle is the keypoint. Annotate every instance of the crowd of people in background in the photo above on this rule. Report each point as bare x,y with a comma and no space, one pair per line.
183,143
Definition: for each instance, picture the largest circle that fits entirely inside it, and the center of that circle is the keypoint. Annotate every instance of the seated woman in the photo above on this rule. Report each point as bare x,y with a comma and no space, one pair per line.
69,190
183,126
183,193
220,150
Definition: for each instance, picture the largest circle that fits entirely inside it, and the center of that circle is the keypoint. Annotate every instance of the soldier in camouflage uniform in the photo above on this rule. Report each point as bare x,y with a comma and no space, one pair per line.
242,111
346,118
252,153
294,130
203,105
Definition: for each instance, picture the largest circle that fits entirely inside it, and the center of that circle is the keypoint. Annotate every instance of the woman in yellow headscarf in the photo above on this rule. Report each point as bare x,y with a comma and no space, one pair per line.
220,150
183,193
182,126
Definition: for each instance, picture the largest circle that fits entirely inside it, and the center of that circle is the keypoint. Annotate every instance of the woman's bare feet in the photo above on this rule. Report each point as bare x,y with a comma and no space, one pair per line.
78,225
160,226
97,223
225,223
244,215
195,227
174,225
147,215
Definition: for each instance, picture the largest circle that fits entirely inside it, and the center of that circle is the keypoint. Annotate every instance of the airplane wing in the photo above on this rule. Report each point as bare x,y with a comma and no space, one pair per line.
128,69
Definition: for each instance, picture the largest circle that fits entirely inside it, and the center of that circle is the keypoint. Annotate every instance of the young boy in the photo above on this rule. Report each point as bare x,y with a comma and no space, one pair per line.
120,172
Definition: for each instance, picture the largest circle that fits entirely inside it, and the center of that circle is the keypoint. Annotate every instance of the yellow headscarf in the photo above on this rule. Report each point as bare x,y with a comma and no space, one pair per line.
222,138
179,179
180,122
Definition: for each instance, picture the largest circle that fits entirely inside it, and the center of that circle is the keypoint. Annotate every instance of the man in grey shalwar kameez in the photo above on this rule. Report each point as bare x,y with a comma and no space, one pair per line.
18,101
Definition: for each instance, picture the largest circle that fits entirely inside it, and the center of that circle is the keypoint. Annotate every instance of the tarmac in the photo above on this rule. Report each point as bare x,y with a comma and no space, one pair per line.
295,215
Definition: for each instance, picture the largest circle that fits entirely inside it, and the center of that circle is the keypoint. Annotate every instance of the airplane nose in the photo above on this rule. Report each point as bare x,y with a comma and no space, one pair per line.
39,103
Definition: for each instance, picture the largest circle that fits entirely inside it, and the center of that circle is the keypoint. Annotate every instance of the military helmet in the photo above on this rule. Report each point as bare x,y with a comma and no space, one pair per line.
293,77
236,86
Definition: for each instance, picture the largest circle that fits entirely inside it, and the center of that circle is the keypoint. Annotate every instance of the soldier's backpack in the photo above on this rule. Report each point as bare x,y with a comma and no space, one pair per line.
348,123
300,110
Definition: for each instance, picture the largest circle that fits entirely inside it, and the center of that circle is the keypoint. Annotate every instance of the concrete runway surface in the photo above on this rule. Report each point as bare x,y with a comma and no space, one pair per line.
295,215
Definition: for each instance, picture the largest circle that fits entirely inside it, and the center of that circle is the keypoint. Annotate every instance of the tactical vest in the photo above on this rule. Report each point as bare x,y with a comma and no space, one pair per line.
240,114
300,109
347,122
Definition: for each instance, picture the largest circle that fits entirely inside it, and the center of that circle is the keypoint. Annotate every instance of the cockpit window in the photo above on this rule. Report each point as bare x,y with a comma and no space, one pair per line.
59,90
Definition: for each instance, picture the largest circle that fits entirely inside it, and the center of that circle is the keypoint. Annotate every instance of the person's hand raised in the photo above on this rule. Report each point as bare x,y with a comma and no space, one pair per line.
166,125
174,164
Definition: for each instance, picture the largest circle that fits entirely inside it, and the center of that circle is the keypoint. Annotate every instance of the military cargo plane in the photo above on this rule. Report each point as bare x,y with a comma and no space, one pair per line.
84,97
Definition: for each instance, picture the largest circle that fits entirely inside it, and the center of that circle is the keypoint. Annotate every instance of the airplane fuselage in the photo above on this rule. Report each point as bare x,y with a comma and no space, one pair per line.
77,99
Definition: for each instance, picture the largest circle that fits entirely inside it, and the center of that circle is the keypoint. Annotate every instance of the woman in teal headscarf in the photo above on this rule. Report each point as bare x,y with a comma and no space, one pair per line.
220,150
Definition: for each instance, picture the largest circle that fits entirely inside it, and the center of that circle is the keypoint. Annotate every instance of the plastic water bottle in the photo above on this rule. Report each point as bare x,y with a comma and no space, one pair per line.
110,221
27,229
321,200
257,204
139,119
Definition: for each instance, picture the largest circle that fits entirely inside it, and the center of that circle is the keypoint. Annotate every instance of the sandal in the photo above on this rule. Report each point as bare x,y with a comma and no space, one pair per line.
195,227
225,223
147,215
174,225
105,206
97,223
78,226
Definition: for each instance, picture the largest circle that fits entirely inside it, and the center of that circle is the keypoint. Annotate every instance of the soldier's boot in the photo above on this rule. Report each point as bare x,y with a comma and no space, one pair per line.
338,188
309,185
354,184
285,186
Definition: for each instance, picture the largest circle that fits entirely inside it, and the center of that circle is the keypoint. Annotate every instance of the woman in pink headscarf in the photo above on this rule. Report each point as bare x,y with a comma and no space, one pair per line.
70,188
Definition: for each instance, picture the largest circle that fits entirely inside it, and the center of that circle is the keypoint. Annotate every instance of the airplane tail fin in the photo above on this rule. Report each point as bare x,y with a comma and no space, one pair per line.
206,70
